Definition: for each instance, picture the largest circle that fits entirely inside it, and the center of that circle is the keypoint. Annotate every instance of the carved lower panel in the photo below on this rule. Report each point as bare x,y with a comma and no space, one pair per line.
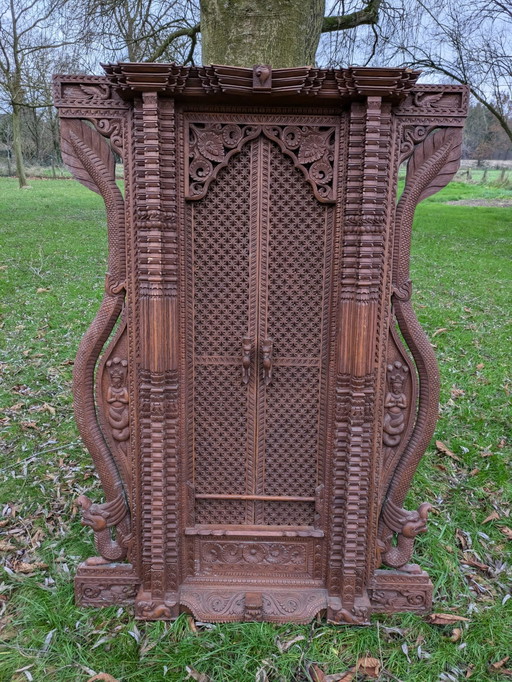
273,606
240,560
394,591
106,585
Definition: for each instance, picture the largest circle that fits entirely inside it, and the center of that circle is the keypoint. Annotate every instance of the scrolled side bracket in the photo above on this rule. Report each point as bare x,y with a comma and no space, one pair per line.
91,160
433,163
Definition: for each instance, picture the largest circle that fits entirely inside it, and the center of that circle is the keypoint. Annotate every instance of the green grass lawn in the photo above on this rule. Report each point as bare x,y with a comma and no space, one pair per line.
52,264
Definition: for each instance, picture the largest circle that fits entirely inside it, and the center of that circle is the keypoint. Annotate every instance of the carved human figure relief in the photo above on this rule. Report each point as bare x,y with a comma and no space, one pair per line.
118,400
395,404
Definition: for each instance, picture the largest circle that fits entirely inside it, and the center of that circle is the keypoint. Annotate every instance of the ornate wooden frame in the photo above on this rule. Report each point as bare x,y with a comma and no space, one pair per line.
176,130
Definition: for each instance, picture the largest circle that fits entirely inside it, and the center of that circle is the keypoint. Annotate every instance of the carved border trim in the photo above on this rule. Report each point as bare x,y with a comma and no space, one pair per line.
127,78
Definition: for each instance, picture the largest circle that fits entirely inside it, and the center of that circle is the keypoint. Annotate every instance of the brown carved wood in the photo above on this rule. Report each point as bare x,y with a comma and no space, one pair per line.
258,413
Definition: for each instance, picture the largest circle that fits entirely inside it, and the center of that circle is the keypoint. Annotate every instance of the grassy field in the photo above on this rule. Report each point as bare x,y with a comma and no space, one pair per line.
52,264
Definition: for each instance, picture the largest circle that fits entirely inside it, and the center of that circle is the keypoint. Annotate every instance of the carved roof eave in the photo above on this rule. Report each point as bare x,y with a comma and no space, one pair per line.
129,78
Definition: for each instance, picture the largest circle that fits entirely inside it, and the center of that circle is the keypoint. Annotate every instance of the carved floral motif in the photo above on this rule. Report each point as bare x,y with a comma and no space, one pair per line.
278,554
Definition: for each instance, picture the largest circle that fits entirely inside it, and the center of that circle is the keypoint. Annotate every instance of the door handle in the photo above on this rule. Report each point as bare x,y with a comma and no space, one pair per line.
246,359
266,349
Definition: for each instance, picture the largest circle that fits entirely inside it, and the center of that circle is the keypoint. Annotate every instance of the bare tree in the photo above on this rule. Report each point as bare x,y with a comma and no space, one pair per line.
238,32
466,41
26,30
142,30
281,32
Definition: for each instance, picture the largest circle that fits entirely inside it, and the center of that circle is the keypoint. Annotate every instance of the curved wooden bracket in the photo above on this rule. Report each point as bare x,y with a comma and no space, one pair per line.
432,165
90,159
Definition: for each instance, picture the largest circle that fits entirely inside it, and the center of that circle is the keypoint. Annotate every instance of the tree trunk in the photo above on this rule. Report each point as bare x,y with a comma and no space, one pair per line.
282,33
16,143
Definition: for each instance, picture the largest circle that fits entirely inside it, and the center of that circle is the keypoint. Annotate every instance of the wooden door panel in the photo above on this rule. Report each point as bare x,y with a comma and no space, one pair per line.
267,280
222,445
222,236
296,304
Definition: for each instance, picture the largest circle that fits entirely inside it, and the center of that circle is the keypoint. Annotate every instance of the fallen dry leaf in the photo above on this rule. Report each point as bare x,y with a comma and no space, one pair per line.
195,675
104,677
23,567
368,666
41,290
491,517
6,546
284,646
446,451
318,675
476,564
456,635
500,664
261,676
445,619
29,425
507,532
461,538
439,331
480,365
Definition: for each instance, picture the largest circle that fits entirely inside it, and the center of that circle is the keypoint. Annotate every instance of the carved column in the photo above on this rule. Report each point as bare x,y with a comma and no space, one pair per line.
360,310
158,375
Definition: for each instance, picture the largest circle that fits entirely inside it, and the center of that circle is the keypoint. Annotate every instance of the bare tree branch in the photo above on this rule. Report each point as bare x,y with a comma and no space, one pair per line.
191,32
367,15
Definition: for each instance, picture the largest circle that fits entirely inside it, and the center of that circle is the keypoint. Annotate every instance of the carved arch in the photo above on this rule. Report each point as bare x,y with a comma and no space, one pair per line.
212,145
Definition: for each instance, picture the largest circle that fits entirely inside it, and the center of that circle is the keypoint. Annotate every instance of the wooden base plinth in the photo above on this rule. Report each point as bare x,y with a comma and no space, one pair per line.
389,592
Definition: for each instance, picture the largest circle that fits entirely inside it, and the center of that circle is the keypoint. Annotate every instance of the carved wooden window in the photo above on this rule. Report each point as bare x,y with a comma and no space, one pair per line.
260,294
257,418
